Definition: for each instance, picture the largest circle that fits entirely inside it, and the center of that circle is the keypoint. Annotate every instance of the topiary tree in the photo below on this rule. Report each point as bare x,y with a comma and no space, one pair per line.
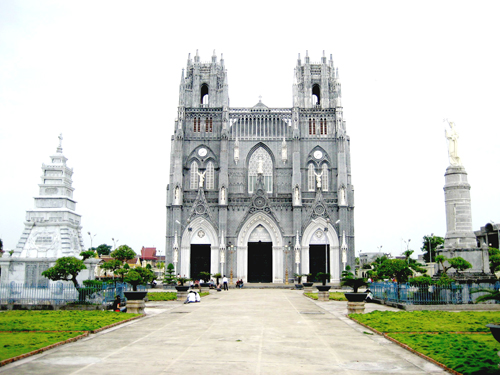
103,249
348,279
138,276
169,274
322,276
459,263
494,259
65,269
87,254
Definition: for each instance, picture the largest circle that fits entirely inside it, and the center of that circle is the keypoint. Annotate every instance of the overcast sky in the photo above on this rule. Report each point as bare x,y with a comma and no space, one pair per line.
106,74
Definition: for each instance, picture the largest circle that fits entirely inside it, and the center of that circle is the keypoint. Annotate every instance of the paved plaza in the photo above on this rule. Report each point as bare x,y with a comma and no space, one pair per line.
247,331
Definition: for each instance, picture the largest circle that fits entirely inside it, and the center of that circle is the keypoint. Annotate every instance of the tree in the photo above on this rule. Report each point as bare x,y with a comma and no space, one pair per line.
348,279
87,254
123,253
103,249
169,274
433,242
395,269
459,263
66,269
494,259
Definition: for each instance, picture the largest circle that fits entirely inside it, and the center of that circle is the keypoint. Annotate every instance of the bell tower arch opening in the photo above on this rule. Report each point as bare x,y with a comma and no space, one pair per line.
204,94
316,95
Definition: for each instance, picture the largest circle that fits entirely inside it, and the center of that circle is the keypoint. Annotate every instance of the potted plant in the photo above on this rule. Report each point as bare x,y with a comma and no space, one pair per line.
137,276
322,276
298,284
217,277
181,289
307,284
348,279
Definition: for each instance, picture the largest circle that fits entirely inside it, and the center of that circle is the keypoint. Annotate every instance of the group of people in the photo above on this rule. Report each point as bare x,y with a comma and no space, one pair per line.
239,283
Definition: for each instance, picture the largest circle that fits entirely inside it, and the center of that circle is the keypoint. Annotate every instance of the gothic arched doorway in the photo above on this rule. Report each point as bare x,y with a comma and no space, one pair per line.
260,256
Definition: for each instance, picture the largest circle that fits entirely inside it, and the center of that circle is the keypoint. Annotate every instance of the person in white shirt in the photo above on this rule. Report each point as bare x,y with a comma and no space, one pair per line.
224,282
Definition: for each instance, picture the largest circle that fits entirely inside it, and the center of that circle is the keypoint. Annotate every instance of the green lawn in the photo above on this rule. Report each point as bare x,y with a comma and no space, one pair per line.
451,338
168,296
334,296
48,327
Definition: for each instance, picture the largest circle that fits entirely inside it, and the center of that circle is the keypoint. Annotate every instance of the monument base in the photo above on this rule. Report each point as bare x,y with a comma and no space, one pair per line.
478,257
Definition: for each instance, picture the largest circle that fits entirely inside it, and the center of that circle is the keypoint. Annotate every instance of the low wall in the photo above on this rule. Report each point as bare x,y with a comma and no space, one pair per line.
52,307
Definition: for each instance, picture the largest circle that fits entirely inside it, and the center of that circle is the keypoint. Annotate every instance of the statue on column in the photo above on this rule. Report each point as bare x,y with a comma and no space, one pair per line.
452,137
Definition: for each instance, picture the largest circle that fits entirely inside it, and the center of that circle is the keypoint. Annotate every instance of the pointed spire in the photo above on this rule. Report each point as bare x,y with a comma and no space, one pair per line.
59,148
222,245
307,57
344,245
297,242
176,244
197,58
214,57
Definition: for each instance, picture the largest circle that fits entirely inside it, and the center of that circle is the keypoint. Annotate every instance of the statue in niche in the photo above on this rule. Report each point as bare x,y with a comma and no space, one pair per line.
318,179
452,137
223,195
297,256
297,195
344,256
222,256
202,179
260,165
176,193
342,196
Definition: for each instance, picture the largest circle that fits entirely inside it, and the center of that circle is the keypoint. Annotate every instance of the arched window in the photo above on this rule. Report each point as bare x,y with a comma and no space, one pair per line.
260,160
196,125
194,176
322,126
312,126
316,96
324,179
310,177
204,94
210,176
208,125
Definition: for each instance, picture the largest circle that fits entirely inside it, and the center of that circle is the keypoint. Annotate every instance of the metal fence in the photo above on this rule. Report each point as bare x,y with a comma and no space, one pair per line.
61,293
453,294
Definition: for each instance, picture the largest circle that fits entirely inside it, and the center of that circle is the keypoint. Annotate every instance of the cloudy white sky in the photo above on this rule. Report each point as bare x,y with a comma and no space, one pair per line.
106,75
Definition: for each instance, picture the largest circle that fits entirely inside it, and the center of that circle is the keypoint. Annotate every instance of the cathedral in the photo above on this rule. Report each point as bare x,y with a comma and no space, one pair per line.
260,193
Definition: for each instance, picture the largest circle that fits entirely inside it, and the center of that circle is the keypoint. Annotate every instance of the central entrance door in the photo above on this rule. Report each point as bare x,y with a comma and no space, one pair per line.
260,262
317,258
200,260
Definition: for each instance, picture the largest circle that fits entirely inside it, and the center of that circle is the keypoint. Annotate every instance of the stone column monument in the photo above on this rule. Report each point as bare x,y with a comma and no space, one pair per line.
460,240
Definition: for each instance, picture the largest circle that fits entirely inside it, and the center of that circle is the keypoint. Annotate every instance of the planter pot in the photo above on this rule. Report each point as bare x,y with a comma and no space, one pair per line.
495,330
182,288
298,286
181,292
307,285
323,288
135,296
355,297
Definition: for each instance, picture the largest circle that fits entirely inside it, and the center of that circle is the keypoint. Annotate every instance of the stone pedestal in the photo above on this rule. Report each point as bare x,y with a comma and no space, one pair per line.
308,287
136,307
181,295
323,295
355,307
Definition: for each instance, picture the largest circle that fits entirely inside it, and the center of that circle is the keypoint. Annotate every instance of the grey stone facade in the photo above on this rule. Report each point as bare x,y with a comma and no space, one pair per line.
258,192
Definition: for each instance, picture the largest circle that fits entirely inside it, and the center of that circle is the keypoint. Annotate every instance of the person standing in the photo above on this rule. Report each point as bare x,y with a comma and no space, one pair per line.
224,282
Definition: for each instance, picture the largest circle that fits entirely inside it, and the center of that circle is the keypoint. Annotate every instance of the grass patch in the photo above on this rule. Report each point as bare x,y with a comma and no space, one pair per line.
429,321
467,354
168,296
59,320
162,296
48,327
334,296
448,337
14,344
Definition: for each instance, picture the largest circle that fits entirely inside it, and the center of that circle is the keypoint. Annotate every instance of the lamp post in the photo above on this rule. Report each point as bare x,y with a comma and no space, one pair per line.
91,237
326,246
175,248
430,247
297,253
222,249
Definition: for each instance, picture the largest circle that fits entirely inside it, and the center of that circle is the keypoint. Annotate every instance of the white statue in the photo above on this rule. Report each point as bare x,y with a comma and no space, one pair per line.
176,256
202,179
176,193
344,256
260,166
222,256
297,256
318,179
223,195
342,196
452,137
297,195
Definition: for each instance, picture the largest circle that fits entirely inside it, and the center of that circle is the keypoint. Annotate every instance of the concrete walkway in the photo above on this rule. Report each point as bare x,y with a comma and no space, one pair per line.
248,331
